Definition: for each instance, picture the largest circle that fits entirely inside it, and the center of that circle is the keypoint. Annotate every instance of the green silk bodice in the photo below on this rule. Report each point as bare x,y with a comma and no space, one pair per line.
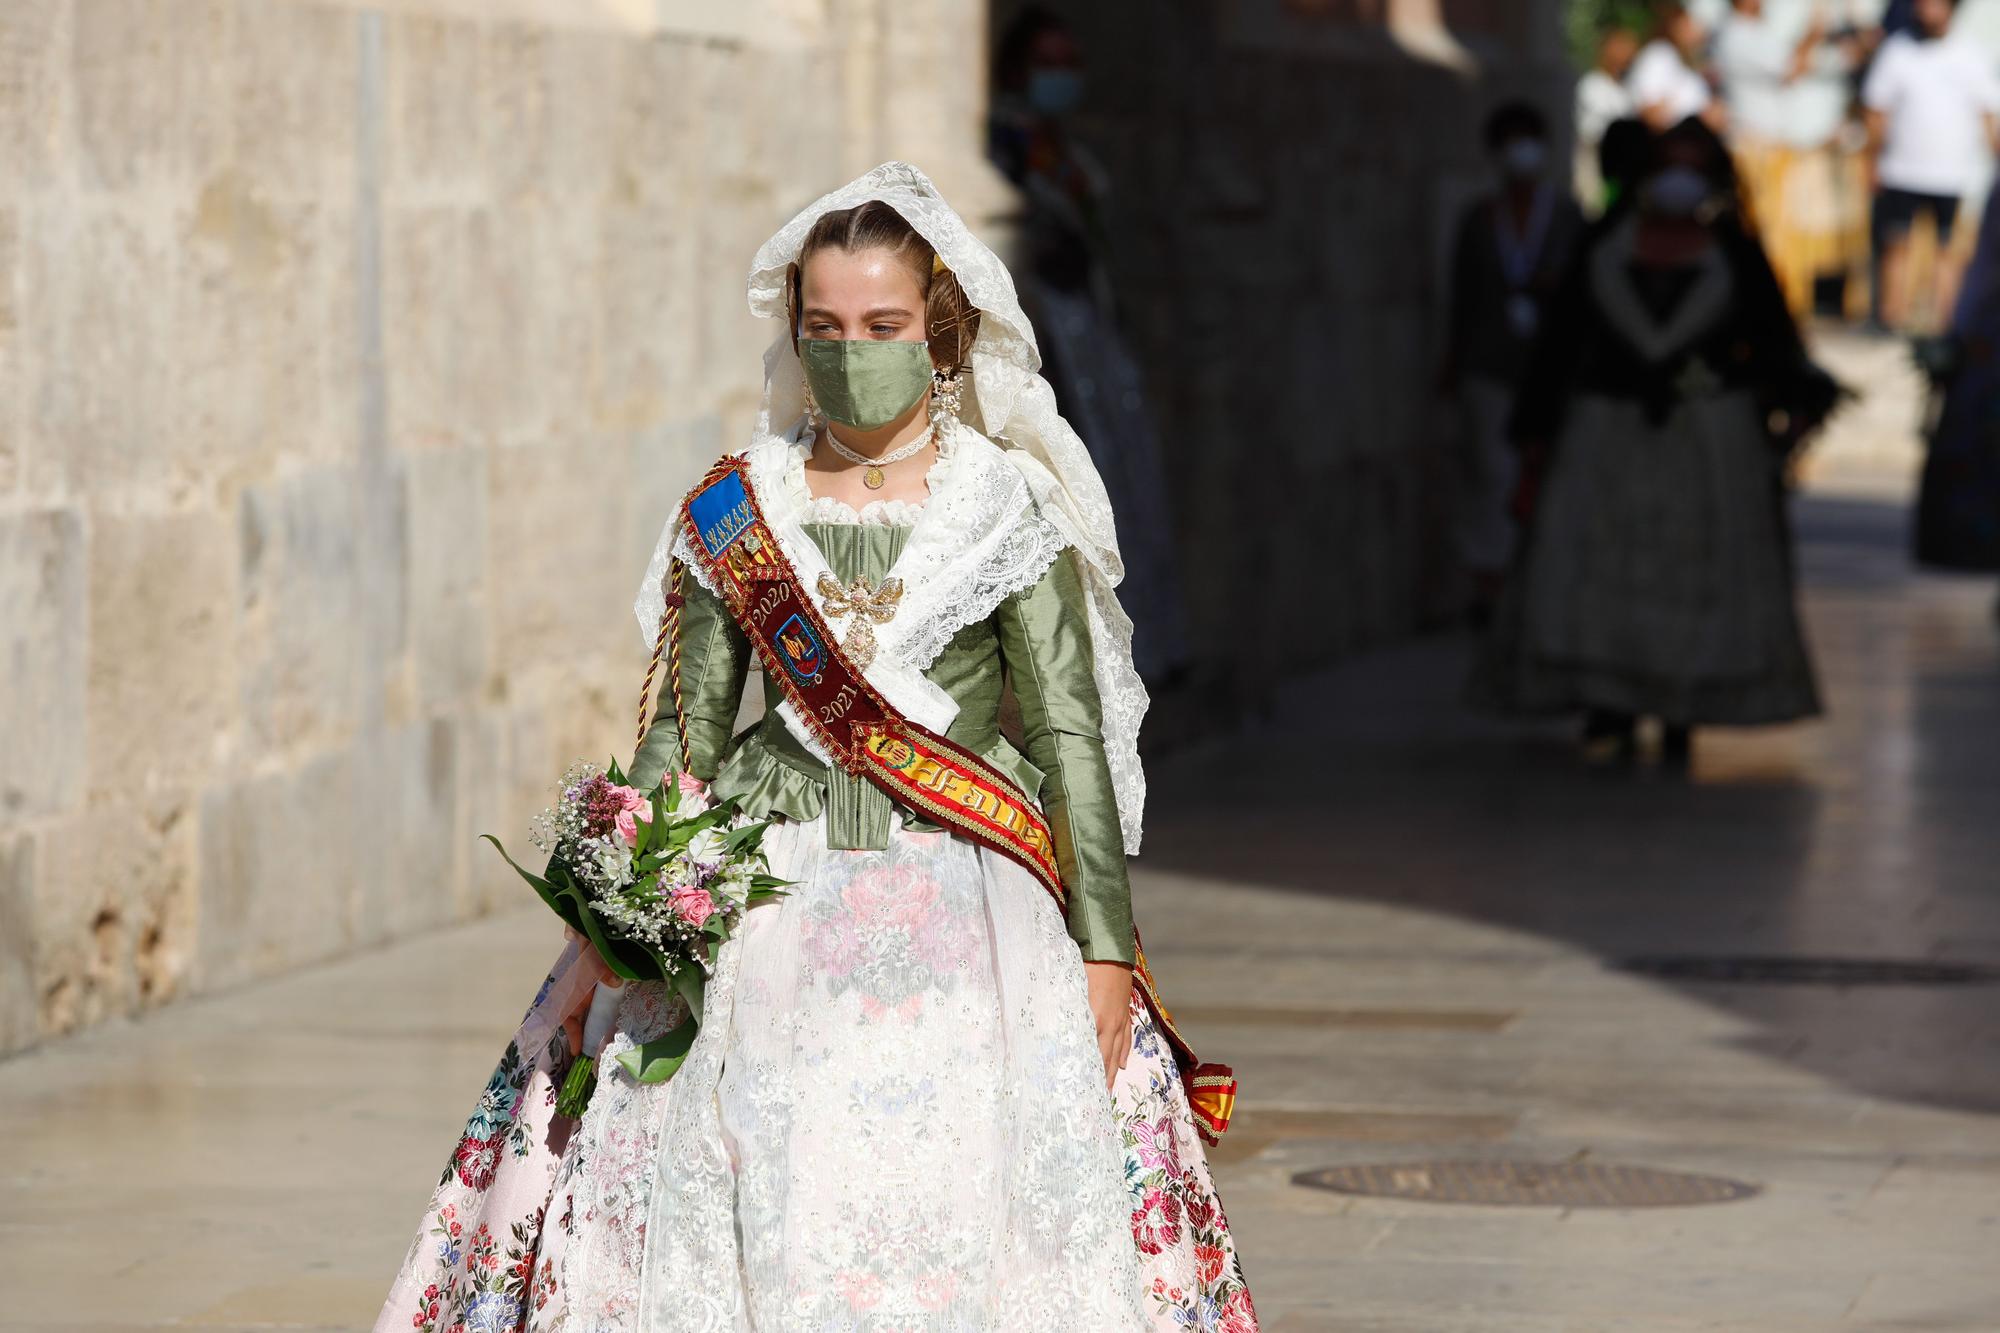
1036,641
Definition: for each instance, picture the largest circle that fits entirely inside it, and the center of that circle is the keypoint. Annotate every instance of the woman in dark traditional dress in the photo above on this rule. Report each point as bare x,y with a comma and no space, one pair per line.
1656,417
1958,509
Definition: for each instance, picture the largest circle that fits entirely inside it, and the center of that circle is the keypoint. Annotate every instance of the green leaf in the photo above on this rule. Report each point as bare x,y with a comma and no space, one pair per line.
657,1061
615,773
690,983
747,838
541,885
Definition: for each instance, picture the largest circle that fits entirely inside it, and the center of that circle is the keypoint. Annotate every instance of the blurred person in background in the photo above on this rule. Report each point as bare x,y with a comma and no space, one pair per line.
1898,16
1931,101
1958,505
1786,92
1657,414
1824,214
1066,285
1601,100
1512,246
1664,82
1624,155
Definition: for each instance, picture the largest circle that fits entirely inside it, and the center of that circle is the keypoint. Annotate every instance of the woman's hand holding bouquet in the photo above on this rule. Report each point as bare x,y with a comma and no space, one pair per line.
656,881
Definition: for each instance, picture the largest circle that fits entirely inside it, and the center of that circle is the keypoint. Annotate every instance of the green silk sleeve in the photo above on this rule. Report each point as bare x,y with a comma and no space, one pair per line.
715,658
1045,642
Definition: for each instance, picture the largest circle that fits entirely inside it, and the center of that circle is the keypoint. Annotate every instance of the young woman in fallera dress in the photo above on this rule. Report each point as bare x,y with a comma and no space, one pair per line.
895,1115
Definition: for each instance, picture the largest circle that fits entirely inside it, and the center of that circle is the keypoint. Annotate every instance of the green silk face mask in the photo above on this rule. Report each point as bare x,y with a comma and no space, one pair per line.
865,384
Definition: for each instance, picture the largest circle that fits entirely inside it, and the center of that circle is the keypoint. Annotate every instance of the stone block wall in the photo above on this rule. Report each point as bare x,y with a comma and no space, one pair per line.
351,356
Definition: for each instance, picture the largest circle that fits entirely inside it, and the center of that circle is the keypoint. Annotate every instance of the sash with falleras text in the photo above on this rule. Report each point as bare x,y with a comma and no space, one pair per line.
868,736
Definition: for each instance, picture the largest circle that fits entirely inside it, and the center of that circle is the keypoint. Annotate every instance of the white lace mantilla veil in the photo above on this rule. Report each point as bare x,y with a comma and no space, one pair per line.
1010,403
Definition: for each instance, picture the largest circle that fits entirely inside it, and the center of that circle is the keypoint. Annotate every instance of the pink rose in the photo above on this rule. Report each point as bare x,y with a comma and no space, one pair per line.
694,906
691,785
628,822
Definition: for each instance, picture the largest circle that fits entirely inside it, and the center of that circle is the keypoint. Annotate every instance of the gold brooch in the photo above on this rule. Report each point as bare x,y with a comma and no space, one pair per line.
864,606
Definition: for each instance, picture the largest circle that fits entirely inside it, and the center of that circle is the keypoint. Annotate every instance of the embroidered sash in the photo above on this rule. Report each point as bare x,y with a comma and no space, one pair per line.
867,736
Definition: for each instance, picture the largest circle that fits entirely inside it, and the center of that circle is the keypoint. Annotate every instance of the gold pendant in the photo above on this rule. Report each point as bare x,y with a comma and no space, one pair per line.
860,645
872,479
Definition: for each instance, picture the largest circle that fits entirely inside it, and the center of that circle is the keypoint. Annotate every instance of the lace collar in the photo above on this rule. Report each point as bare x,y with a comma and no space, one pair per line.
992,526
979,538
876,513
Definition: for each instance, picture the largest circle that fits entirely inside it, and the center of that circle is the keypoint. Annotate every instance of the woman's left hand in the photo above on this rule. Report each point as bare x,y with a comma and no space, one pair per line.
597,970
1111,1006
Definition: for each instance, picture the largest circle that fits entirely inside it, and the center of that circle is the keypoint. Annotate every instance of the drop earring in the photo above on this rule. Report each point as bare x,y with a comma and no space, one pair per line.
947,397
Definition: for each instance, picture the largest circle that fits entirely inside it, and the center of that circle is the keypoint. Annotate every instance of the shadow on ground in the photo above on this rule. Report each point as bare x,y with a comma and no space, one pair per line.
1873,834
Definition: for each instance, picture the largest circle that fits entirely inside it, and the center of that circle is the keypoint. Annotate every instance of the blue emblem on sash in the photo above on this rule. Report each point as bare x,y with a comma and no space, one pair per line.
721,513
800,649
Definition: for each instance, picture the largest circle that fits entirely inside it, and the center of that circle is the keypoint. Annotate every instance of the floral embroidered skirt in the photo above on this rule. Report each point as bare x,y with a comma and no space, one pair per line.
894,1118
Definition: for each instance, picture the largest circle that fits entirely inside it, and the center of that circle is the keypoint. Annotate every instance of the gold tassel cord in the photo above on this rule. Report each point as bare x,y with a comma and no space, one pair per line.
675,602
670,620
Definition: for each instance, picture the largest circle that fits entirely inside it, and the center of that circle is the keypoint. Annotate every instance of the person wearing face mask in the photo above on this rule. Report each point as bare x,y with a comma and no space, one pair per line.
1933,109
1660,407
933,1087
1512,245
1067,244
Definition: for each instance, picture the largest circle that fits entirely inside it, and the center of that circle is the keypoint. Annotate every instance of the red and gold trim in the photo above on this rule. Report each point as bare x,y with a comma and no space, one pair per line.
1211,1088
959,790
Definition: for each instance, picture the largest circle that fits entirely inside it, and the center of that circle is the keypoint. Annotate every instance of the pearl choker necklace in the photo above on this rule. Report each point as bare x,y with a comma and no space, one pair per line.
873,478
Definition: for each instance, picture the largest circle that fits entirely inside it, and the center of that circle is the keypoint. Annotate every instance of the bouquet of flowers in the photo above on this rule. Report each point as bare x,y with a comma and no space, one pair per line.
656,880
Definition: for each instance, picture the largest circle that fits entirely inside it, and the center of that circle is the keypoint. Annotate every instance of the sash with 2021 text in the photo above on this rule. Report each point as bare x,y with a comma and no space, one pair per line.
868,736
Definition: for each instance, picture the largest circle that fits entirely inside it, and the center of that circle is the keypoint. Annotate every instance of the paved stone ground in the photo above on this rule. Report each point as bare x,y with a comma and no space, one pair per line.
1393,917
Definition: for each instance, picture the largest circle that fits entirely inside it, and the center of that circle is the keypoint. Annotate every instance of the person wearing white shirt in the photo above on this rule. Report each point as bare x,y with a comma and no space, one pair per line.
1757,61
1760,59
1601,99
1824,92
1932,101
1665,87
1827,197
